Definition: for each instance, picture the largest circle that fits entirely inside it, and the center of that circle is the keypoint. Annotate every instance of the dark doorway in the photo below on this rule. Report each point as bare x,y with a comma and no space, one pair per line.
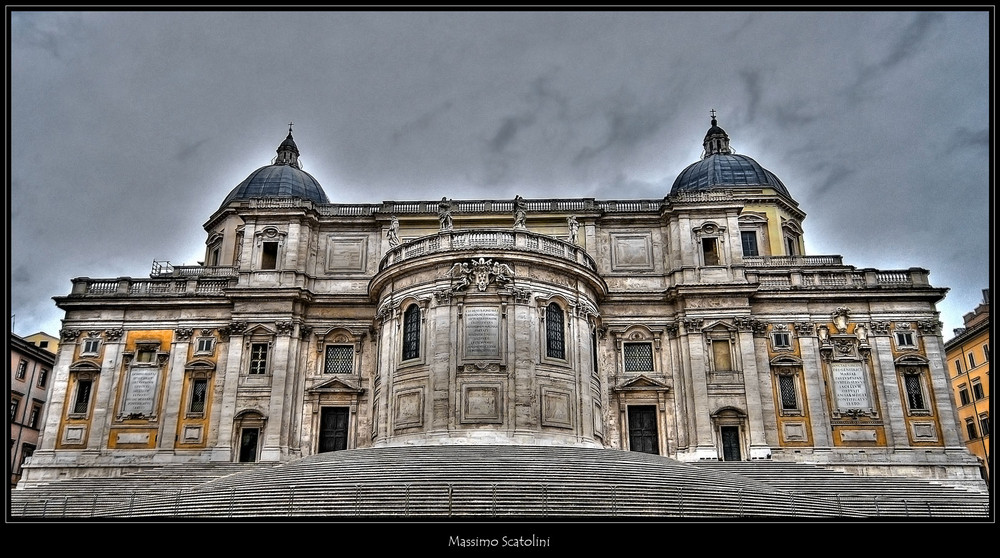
642,433
333,429
248,445
731,443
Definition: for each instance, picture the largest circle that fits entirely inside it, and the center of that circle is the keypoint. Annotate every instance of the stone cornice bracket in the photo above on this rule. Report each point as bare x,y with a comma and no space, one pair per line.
69,334
183,333
671,329
880,328
284,328
692,324
929,327
113,335
804,328
304,332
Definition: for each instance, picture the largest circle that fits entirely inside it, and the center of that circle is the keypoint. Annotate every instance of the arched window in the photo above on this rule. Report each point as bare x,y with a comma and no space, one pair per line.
554,332
411,332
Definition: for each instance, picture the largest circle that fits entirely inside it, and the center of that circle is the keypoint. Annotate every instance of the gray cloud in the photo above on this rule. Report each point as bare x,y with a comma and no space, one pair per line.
129,128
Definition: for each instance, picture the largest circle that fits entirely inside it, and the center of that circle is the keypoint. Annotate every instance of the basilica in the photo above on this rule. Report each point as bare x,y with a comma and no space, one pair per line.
692,327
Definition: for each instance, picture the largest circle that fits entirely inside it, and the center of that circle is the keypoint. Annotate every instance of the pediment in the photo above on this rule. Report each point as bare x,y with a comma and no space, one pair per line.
642,382
911,359
84,366
785,360
334,385
199,364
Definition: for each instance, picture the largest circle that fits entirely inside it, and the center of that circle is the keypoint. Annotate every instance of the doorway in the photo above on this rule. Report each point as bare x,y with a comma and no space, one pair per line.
730,443
333,429
642,433
248,444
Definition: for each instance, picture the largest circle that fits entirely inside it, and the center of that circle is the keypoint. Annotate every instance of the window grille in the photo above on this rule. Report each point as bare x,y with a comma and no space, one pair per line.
554,345
914,393
638,357
786,385
339,359
411,332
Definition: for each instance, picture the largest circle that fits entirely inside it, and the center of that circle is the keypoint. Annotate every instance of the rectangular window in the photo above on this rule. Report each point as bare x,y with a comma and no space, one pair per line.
82,402
914,393
339,359
958,366
791,246
972,361
638,357
14,402
782,340
22,367
709,248
970,429
27,450
722,355
986,352
749,239
984,425
36,411
43,378
963,395
205,345
904,339
258,358
199,393
43,344
145,353
977,390
786,386
91,346
269,256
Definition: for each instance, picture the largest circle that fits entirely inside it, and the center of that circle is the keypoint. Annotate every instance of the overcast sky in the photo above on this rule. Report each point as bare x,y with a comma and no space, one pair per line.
129,128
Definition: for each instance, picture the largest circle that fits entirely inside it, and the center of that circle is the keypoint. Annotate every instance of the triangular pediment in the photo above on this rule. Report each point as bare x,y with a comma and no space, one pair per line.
337,385
642,382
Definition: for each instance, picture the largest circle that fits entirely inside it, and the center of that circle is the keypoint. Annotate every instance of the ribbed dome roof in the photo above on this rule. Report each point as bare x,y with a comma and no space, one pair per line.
283,179
722,171
720,168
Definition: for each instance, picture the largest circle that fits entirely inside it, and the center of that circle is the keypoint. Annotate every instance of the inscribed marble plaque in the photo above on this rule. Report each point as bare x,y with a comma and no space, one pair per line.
140,391
849,386
482,332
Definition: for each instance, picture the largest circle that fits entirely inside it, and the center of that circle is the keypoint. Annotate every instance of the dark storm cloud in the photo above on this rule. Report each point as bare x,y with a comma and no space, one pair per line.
129,128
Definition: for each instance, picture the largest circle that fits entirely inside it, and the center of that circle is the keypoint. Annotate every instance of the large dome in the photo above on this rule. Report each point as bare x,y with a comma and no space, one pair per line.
721,169
283,179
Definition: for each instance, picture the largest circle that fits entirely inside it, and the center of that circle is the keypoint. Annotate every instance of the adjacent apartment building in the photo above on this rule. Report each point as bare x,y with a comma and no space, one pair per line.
968,355
30,373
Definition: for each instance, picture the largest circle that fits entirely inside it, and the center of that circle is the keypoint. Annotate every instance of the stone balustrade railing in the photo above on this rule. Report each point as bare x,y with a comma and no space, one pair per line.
847,279
156,286
502,239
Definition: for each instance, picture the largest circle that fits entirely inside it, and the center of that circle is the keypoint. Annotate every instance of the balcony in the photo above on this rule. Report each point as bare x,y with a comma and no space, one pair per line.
520,240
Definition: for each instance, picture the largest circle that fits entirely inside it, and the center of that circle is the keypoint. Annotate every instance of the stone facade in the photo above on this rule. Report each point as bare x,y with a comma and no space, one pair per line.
690,326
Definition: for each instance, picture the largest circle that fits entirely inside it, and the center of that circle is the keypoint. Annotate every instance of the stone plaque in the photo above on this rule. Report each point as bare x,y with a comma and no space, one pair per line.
631,252
795,431
857,436
347,254
133,438
556,408
410,408
481,403
849,386
482,332
140,391
192,433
